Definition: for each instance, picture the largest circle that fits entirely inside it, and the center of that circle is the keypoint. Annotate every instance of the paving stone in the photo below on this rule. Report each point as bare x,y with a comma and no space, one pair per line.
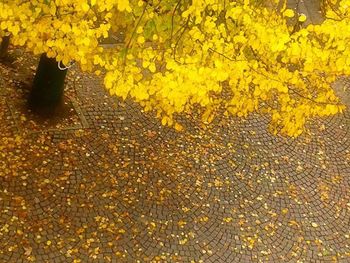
126,189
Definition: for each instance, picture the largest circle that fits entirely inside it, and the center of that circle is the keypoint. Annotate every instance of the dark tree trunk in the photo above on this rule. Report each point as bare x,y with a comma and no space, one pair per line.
48,85
5,43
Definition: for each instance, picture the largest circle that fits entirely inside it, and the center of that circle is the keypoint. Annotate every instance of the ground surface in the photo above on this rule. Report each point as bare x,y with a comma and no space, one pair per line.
106,183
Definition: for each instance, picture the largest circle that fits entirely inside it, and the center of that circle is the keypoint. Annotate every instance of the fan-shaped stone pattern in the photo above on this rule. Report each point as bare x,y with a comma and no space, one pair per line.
126,189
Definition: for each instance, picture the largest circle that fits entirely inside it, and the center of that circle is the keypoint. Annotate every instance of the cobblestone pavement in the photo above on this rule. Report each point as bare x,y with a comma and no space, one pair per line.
110,184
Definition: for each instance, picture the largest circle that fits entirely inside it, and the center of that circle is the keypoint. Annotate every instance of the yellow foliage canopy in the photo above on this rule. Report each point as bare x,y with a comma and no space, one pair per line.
234,57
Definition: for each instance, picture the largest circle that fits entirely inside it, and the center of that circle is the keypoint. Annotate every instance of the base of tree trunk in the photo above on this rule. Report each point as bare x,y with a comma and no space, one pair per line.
48,85
5,43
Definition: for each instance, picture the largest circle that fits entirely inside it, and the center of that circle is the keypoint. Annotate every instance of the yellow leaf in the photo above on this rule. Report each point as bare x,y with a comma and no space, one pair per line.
124,5
139,30
314,224
178,127
183,241
293,223
181,223
152,67
288,13
15,30
28,251
302,18
85,7
284,211
228,219
164,120
251,242
141,40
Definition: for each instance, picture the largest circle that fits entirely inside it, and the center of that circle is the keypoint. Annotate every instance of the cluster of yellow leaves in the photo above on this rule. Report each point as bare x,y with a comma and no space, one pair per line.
231,57
335,9
240,57
63,29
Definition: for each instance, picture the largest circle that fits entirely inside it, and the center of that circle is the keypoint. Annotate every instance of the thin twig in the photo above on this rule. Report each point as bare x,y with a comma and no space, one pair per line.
178,40
137,25
172,20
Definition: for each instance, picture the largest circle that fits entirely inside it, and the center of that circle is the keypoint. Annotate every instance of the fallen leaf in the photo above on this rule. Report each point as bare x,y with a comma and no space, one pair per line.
314,224
27,251
228,219
183,241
